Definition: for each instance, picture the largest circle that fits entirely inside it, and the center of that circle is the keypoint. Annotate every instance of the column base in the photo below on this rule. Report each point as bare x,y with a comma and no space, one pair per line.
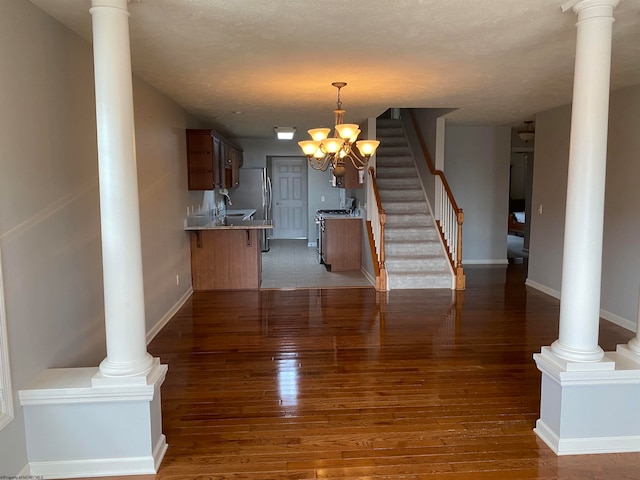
589,407
77,429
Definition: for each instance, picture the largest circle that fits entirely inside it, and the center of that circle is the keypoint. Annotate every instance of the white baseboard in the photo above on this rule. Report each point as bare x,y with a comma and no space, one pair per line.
611,317
485,261
542,288
586,446
168,316
25,472
368,277
620,321
103,467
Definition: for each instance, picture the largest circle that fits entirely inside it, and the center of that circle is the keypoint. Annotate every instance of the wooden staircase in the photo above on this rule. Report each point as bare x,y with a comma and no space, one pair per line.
415,256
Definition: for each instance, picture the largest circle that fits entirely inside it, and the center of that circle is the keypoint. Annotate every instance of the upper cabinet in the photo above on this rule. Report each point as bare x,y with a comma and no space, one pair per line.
351,176
212,161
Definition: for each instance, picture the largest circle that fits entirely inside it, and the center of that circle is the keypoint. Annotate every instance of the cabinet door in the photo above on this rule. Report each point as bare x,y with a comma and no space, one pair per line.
351,176
200,160
218,163
342,243
235,162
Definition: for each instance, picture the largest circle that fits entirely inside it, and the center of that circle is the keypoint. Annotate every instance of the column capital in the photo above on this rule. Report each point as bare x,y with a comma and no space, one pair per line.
120,4
579,5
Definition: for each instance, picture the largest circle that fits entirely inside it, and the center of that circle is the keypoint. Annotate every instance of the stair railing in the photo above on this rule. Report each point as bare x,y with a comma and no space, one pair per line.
375,227
450,217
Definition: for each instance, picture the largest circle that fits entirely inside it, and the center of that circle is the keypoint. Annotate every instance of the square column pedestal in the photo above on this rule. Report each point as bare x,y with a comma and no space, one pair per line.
81,424
590,407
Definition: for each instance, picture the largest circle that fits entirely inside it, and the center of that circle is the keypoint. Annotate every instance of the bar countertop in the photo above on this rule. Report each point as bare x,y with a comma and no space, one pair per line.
206,223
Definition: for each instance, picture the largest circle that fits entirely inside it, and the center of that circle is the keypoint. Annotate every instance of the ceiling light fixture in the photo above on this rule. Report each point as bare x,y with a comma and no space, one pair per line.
285,133
324,151
527,132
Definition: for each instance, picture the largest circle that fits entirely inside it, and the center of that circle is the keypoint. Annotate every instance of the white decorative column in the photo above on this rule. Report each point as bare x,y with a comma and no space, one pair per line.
83,422
119,208
582,255
588,397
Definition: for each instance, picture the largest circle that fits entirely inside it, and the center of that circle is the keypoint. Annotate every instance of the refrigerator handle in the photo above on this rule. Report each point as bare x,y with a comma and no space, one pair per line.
269,199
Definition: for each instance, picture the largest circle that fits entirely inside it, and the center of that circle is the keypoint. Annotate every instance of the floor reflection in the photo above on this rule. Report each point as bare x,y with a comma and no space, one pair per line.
288,379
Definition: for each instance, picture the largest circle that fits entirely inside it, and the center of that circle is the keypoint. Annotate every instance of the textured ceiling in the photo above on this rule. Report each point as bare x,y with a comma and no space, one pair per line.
495,61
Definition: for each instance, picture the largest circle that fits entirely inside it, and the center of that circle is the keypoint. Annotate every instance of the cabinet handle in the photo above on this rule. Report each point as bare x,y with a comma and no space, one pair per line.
248,237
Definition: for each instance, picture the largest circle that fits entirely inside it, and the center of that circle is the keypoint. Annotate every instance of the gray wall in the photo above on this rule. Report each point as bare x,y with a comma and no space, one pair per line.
477,169
49,204
427,120
621,262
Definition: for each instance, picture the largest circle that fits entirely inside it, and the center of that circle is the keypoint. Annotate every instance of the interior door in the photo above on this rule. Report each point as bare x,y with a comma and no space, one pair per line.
289,182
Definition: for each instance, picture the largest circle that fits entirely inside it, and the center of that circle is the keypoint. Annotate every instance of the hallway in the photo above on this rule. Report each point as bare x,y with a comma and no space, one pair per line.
336,383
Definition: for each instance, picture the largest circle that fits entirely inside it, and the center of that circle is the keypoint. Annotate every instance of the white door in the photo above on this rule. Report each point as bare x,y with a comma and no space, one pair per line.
289,180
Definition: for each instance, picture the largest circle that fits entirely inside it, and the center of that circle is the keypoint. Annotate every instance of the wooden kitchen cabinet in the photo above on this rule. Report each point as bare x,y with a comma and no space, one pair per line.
351,176
226,259
233,160
342,243
212,161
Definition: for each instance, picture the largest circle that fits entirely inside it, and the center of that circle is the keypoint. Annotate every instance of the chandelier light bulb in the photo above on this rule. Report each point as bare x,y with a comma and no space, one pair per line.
346,130
367,147
332,145
319,134
309,147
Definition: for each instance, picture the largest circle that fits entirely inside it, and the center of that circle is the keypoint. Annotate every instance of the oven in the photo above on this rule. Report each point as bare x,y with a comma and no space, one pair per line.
320,229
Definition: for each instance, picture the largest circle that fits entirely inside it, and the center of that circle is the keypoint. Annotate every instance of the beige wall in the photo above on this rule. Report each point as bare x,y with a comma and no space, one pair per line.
49,204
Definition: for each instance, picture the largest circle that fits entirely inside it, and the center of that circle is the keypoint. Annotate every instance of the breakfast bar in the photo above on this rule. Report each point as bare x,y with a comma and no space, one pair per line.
226,252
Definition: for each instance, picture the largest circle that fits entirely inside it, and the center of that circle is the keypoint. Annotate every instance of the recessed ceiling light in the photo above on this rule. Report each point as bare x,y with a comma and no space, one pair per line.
285,133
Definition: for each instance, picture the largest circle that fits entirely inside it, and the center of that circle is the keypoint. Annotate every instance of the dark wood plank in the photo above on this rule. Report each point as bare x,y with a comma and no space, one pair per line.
350,384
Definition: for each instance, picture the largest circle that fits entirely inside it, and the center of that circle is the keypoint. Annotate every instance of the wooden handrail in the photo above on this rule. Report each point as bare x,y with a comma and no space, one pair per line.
456,263
381,271
374,184
432,169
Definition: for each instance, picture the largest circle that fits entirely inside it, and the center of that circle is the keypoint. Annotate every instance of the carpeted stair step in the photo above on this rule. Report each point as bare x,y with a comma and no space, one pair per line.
401,194
391,140
411,232
399,161
410,280
434,262
405,208
404,220
412,248
395,183
393,151
395,171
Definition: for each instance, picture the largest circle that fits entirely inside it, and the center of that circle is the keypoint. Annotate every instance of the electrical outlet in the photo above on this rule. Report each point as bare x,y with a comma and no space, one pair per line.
177,279
540,209
322,198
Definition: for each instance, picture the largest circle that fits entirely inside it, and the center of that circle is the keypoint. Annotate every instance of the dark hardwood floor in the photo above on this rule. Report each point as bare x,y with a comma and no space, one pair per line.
346,384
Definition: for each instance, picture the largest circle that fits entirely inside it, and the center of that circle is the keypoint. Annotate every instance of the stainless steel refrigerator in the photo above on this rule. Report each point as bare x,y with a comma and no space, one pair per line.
254,192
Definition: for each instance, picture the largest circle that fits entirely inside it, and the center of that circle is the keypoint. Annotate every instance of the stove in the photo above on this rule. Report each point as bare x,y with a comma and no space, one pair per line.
333,212
320,216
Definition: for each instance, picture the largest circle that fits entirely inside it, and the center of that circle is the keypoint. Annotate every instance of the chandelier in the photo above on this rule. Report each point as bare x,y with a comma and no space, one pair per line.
324,151
527,132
